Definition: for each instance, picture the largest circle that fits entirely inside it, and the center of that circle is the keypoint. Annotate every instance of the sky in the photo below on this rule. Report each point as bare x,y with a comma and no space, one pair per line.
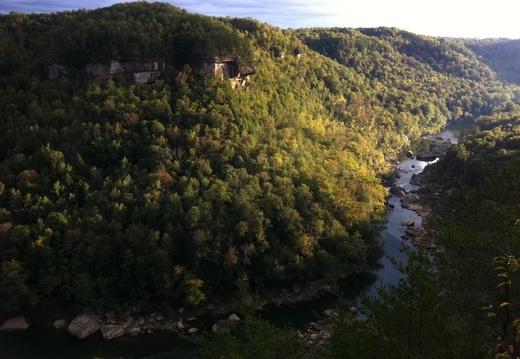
451,18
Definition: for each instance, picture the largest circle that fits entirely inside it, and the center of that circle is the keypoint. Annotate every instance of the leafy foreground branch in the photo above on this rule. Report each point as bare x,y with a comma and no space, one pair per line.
508,329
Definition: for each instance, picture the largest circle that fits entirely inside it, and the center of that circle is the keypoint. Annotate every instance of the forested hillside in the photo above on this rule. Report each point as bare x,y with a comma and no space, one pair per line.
116,194
499,54
433,79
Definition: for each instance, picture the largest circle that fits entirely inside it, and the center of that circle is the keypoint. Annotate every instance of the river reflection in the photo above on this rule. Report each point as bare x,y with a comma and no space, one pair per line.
44,343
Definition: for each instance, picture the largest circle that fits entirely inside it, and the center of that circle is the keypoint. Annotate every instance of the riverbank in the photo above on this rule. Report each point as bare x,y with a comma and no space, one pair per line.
188,320
426,195
191,320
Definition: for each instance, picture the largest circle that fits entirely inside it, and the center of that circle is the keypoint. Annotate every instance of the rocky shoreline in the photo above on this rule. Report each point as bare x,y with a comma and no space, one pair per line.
424,198
210,316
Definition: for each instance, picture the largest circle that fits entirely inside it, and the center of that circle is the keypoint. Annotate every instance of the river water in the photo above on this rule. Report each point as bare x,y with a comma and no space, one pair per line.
44,343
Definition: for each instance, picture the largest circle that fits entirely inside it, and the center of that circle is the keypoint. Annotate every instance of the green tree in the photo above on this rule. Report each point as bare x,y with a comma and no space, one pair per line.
15,293
250,339
407,320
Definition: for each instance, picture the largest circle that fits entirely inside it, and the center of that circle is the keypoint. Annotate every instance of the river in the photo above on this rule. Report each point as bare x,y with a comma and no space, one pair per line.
44,343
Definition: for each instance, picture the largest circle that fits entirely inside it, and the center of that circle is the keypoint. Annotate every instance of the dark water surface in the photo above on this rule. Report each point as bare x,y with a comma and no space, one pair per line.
44,343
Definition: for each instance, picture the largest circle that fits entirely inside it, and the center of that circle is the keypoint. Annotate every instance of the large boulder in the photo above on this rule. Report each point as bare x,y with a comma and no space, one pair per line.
233,317
413,232
426,156
398,190
409,222
112,331
15,324
84,325
436,150
416,179
407,201
128,322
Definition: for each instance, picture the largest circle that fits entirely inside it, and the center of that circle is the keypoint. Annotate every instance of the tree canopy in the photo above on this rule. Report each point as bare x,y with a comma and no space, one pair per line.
168,192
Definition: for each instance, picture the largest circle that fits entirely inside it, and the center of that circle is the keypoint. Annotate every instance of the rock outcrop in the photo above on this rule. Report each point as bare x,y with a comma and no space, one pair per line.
413,232
15,324
226,67
112,331
426,156
53,71
398,190
138,71
84,325
409,222
233,317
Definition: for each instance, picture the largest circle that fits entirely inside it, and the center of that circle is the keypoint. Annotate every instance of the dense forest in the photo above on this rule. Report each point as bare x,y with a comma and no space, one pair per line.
501,55
116,194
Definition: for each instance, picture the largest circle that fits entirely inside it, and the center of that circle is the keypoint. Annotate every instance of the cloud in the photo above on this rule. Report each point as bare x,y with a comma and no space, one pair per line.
48,6
284,13
461,18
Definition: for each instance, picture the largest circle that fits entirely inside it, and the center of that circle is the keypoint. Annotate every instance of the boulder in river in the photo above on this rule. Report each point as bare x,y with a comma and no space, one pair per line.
112,331
15,324
59,324
233,317
128,322
410,199
409,222
413,232
426,156
436,150
84,325
398,190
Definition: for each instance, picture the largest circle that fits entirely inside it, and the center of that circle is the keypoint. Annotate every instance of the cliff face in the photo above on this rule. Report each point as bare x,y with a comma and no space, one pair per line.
223,67
137,71
53,71
226,67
